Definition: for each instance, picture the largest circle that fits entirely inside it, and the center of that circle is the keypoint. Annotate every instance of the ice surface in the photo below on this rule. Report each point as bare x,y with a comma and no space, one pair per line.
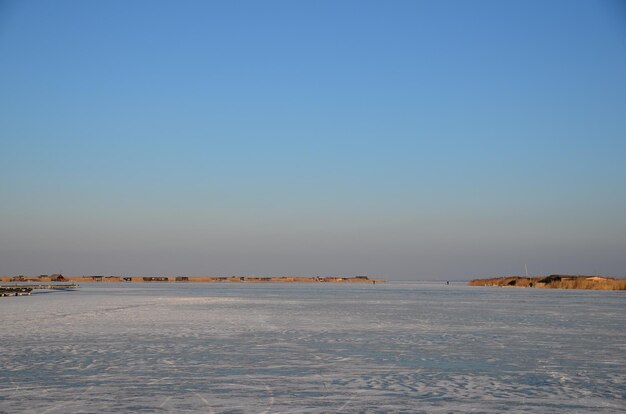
394,347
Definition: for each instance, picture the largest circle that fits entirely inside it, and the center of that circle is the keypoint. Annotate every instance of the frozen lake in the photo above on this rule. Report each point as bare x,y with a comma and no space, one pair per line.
262,348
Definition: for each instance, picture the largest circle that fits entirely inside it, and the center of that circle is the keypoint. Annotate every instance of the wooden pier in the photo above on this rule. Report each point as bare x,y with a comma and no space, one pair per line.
15,291
26,290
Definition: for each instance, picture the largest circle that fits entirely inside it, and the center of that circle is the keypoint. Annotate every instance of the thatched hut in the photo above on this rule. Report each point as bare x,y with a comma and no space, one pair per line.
57,278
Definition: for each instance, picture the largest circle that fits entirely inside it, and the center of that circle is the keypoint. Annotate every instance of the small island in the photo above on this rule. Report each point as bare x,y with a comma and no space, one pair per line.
555,282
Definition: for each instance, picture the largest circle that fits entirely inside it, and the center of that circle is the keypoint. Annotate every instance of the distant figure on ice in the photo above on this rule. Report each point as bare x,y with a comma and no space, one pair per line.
447,282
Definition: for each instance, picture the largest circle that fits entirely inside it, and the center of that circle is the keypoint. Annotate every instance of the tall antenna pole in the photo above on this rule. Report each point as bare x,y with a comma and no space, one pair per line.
526,269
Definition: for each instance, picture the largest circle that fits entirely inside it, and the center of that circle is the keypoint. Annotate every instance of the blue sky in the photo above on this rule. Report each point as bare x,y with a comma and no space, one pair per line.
405,139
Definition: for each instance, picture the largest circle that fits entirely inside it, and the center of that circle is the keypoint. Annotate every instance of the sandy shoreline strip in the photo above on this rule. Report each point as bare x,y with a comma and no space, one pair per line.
187,279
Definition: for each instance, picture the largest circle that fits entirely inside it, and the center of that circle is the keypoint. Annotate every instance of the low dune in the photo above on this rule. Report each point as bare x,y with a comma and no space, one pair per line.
555,282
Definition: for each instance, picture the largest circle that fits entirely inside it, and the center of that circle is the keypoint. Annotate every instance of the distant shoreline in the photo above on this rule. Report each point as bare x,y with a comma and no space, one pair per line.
554,282
187,279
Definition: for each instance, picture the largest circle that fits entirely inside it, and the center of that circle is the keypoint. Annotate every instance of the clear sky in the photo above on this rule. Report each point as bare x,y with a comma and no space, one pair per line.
404,139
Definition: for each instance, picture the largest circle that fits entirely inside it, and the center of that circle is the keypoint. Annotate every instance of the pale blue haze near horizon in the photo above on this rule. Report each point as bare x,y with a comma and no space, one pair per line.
411,140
